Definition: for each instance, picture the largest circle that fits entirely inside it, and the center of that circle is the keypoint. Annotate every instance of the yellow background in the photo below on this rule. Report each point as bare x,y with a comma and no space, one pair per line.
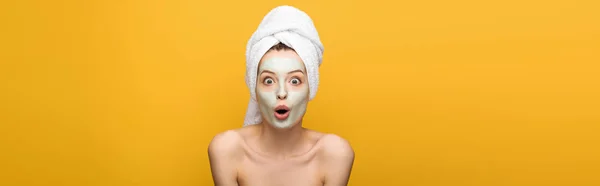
465,92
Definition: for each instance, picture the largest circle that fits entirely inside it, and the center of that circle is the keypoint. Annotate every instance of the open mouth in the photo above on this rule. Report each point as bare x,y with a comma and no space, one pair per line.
282,112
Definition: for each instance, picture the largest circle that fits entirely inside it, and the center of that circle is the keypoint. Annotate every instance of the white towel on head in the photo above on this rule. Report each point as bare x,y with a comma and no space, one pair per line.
294,28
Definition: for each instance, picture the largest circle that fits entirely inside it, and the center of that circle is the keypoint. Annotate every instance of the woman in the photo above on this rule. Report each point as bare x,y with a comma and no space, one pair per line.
282,60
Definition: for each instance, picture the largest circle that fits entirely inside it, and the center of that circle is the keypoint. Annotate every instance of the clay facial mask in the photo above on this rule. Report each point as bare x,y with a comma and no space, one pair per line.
282,91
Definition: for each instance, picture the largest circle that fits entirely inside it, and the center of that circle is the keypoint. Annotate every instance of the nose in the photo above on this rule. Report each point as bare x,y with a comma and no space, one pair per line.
282,92
281,96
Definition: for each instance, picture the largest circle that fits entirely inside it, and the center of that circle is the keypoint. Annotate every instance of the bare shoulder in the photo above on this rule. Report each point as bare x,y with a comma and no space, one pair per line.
336,147
224,153
227,143
337,158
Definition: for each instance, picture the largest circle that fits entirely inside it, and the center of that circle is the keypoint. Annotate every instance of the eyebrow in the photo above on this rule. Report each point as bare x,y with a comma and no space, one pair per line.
268,71
296,71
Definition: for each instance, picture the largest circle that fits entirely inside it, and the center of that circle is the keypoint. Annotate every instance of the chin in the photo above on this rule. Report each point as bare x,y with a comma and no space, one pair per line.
282,124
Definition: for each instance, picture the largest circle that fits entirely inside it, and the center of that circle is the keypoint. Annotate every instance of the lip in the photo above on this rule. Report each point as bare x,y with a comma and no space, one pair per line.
281,116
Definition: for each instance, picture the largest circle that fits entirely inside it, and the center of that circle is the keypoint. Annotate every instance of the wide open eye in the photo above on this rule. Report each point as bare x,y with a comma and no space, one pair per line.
268,81
295,81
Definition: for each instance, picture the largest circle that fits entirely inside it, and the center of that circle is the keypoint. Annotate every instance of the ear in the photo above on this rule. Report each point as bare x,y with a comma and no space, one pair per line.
308,95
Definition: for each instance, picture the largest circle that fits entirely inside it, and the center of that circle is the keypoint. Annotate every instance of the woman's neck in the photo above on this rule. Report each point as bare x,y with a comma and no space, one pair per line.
281,143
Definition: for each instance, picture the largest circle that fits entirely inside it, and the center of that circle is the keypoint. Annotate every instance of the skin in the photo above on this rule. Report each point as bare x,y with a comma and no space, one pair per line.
280,152
281,82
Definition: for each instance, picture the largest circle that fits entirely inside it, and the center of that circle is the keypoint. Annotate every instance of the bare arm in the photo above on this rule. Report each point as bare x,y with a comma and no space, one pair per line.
224,154
339,158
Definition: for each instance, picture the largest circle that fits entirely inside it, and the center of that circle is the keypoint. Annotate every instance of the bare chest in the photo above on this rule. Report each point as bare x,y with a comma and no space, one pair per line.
262,172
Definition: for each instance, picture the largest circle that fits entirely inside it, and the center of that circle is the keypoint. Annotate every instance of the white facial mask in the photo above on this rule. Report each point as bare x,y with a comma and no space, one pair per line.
280,88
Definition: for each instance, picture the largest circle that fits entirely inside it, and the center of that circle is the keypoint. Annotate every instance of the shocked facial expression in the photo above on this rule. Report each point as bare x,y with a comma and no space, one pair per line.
282,90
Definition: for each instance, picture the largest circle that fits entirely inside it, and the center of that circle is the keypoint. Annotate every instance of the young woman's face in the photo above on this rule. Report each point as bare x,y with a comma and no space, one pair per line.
282,88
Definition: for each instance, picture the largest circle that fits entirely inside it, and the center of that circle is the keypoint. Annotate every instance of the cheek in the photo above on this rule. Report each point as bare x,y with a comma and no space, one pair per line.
298,94
266,96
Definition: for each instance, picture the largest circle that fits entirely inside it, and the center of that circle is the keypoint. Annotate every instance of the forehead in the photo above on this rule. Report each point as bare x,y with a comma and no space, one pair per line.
282,60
